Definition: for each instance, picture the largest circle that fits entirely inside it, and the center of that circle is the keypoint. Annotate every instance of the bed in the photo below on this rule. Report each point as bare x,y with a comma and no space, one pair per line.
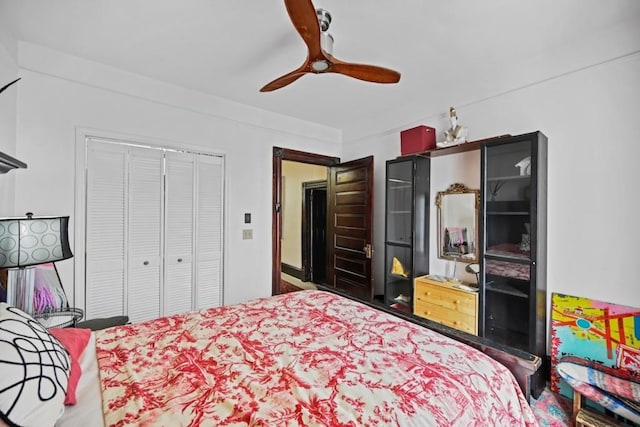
301,358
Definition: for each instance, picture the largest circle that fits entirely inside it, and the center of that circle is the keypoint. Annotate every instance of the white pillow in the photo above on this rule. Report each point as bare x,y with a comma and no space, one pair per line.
34,371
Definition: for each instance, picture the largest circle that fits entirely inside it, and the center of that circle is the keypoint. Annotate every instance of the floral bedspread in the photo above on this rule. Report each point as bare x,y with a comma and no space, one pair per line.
301,358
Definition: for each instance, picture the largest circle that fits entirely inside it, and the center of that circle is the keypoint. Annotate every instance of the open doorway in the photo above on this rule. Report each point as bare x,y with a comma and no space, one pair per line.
280,155
314,231
349,212
303,223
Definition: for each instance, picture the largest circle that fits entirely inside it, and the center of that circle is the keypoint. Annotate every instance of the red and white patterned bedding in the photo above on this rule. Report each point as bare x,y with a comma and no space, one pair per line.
301,358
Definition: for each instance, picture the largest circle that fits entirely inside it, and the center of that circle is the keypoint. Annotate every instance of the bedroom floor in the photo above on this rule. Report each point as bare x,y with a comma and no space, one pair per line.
552,410
297,283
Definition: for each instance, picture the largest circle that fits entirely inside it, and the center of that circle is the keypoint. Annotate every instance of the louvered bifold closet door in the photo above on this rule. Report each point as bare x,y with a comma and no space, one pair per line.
144,264
179,230
105,229
209,239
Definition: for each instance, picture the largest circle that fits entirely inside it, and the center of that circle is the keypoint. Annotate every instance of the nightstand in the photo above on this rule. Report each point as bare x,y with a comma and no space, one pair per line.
446,303
70,318
103,323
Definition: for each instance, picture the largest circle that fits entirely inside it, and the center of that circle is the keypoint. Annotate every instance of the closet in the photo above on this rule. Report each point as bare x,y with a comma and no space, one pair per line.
153,238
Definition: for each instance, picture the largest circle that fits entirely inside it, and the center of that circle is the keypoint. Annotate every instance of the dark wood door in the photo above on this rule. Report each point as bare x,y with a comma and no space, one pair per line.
319,235
314,231
349,227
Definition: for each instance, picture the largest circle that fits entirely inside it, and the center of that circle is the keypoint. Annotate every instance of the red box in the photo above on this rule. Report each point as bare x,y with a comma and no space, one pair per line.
417,140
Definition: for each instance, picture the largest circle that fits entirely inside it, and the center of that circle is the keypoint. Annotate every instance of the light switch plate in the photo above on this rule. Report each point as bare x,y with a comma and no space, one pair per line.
247,234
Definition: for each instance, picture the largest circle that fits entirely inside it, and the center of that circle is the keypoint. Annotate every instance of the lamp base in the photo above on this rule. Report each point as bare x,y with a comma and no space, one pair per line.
20,285
36,289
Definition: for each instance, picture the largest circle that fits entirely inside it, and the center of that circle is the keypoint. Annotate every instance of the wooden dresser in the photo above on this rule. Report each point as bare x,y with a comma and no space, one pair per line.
444,303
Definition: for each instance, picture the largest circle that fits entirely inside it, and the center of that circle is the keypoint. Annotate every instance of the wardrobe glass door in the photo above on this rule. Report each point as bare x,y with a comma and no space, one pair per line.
513,268
406,228
399,234
507,265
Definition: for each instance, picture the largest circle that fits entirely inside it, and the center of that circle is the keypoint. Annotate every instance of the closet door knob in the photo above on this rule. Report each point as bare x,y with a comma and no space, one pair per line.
179,259
146,263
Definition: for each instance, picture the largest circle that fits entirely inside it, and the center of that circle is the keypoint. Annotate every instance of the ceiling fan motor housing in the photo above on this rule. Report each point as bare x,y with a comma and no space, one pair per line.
324,19
326,41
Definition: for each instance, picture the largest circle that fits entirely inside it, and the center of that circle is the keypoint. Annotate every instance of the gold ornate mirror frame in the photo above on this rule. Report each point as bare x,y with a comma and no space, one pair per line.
458,218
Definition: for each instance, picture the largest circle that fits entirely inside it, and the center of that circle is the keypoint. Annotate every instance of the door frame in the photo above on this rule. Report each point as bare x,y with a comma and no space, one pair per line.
280,154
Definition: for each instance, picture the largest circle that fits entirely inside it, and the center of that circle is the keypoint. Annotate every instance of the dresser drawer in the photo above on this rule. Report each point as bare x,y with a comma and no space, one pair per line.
450,298
452,318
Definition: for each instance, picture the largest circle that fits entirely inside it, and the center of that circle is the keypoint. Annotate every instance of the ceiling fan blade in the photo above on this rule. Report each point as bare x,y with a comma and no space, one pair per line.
304,19
368,73
284,80
9,84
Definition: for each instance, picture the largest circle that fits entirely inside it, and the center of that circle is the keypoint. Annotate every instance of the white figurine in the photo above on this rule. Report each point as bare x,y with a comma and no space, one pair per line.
456,134
525,166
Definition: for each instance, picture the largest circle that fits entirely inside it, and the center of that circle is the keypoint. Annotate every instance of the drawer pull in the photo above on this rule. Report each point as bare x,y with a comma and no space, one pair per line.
456,301
146,263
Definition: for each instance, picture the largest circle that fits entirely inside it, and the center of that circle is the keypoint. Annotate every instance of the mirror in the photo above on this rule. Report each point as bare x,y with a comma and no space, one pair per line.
458,209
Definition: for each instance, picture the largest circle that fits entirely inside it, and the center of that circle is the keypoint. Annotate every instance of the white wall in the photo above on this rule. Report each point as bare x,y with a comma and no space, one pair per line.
446,170
8,73
61,94
591,119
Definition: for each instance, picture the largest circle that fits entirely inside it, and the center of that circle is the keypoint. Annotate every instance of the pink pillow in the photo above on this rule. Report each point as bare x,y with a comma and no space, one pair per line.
75,340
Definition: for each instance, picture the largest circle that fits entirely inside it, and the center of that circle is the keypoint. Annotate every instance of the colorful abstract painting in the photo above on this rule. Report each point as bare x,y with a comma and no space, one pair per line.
593,330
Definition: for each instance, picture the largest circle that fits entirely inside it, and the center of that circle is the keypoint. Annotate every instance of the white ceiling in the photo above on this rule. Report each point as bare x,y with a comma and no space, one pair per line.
449,52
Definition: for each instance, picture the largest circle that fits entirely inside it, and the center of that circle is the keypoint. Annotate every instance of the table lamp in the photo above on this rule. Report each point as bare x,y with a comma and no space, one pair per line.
28,242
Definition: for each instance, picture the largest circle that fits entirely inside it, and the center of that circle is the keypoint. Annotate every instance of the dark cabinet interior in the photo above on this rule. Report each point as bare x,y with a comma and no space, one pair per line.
406,228
513,233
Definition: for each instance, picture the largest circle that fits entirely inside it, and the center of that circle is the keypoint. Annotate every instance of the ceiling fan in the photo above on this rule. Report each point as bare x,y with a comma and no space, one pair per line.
312,25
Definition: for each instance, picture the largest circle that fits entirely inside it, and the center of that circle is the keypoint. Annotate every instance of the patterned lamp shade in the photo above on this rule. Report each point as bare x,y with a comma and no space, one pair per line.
32,241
